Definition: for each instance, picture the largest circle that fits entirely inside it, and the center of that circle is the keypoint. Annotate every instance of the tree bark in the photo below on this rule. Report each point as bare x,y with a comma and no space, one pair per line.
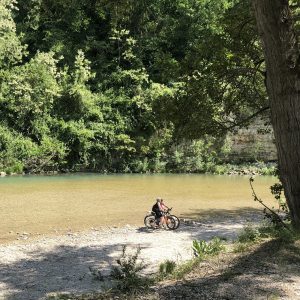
276,27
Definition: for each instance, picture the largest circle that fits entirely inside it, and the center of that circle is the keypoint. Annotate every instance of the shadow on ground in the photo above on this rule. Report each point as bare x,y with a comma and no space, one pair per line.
245,214
65,269
214,222
263,274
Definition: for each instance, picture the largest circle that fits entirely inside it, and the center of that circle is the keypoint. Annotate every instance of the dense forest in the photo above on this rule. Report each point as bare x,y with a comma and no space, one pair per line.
125,85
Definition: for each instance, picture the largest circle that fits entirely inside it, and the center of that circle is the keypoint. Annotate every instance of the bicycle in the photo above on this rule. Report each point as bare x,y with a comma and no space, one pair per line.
172,221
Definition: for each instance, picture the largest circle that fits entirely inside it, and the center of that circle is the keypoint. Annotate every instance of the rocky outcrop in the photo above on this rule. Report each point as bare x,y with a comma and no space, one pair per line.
255,142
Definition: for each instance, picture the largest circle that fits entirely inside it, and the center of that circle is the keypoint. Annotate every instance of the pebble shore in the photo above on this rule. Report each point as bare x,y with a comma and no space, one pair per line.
31,269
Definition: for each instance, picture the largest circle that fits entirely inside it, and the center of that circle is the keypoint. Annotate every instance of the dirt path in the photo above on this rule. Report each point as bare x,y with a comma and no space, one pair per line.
31,269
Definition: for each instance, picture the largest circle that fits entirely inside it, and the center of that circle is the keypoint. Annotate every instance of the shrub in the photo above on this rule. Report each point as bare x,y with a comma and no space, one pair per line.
249,234
202,248
127,272
271,230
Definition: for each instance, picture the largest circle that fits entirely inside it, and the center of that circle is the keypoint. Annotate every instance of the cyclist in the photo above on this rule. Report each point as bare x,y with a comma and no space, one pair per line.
158,210
163,206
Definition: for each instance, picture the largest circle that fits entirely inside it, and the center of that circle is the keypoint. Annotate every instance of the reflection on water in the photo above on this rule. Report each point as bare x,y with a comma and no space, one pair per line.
43,204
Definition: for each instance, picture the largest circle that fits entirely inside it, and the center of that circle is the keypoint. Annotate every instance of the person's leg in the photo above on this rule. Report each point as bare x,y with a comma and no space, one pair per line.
162,221
165,220
157,220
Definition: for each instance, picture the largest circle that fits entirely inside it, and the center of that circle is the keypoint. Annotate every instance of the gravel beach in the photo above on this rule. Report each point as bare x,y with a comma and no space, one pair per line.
31,268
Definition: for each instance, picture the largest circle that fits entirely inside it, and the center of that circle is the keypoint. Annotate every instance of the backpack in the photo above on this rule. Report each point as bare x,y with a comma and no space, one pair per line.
155,208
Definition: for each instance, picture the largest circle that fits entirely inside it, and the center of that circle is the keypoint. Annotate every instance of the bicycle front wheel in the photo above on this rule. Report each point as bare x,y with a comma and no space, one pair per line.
177,221
171,223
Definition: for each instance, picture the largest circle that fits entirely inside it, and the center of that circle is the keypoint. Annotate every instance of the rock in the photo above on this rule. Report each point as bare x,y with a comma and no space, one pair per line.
2,174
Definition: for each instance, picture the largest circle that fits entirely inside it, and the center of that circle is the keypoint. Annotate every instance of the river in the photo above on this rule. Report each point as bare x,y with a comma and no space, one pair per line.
60,203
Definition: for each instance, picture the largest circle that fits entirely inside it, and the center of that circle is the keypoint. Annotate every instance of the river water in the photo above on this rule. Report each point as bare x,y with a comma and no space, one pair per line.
57,204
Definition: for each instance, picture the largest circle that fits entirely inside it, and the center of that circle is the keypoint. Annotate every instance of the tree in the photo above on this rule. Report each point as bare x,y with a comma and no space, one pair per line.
11,50
276,26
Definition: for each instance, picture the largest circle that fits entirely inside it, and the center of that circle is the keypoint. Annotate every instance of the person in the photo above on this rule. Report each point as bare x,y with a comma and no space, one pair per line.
163,206
157,209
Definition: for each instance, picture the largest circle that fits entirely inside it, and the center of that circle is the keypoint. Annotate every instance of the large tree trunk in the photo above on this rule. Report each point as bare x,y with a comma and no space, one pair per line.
275,25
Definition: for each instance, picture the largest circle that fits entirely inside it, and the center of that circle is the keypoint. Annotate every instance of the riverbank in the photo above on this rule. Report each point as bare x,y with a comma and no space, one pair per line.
267,270
33,206
254,168
62,267
33,269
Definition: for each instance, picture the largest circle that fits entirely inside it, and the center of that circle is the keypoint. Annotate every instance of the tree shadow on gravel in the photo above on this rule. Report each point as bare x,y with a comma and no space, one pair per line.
250,276
64,269
67,268
206,224
244,214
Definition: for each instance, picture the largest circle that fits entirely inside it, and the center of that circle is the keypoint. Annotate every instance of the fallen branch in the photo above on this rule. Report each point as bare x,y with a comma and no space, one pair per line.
274,214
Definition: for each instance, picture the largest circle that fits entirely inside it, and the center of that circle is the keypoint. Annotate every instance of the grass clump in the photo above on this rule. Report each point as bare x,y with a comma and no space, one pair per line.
166,269
249,234
185,268
169,269
247,237
202,249
284,234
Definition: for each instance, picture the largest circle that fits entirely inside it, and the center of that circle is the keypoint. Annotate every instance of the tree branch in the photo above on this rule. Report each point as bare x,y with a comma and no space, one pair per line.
248,119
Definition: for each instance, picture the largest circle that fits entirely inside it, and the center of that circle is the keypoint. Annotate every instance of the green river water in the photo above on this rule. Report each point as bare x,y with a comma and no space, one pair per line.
55,204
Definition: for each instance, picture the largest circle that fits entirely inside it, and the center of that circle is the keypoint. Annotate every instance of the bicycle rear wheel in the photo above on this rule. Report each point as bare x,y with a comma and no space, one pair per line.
149,221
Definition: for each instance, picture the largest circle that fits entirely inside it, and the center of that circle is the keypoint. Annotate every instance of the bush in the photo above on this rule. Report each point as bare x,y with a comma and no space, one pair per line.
127,272
249,234
270,230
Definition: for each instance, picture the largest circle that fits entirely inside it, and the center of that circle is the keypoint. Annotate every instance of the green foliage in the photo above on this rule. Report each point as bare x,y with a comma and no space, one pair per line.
277,192
11,50
127,272
247,237
249,234
166,268
285,235
15,150
185,268
202,248
241,247
111,85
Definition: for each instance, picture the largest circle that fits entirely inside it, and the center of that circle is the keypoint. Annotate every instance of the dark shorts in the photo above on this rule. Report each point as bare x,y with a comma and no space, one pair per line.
158,214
